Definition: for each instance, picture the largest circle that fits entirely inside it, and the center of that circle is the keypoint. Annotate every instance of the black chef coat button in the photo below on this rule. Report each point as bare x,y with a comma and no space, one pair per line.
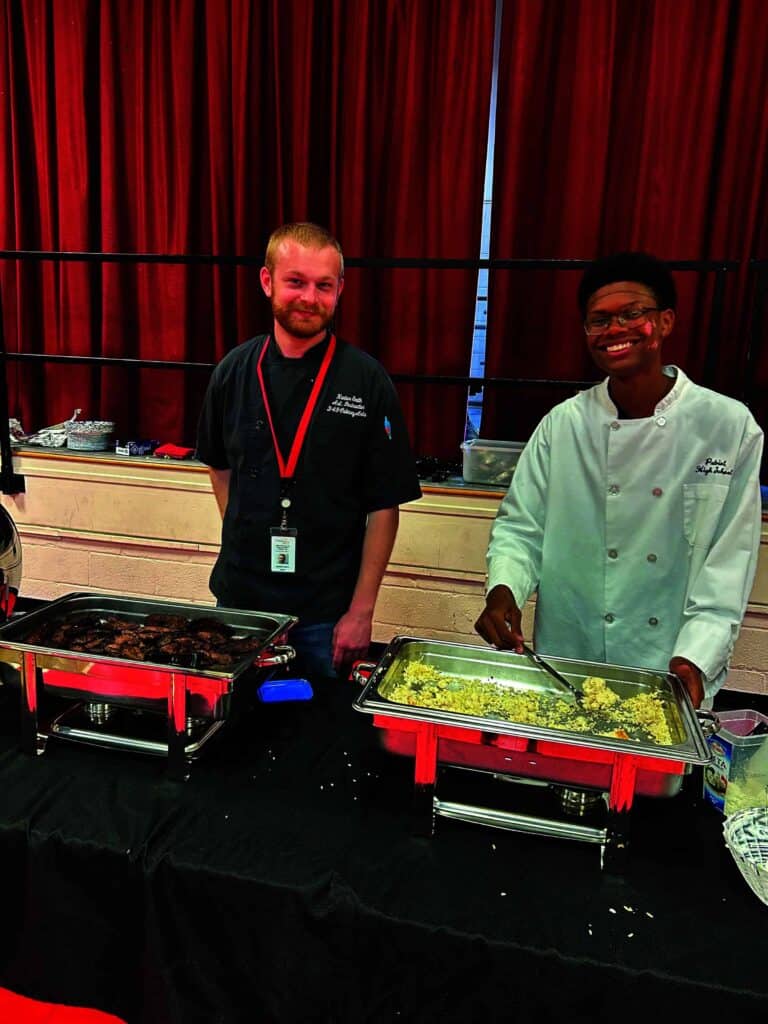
609,617
653,621
651,557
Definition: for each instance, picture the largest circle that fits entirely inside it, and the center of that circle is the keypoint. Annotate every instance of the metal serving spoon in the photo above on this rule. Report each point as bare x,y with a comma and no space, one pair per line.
577,694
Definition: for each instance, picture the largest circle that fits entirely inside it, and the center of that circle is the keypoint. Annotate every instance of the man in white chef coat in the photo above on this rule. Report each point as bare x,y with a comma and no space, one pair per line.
634,510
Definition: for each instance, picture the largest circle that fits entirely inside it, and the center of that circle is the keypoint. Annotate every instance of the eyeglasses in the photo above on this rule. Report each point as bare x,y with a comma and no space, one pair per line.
626,318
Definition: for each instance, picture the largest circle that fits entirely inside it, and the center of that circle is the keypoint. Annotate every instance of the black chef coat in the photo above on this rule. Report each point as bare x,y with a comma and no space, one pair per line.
356,459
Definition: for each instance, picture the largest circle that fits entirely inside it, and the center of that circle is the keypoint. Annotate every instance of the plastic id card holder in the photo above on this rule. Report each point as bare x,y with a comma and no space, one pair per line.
282,546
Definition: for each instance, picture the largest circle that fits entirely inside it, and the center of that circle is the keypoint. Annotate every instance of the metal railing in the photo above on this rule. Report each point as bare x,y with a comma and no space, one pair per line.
13,483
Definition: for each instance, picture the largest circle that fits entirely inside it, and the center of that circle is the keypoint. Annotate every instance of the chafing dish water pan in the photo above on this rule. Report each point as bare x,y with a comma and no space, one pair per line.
110,689
615,766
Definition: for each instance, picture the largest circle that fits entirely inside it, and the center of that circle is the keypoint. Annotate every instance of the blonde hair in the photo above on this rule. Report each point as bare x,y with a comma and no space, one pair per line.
304,233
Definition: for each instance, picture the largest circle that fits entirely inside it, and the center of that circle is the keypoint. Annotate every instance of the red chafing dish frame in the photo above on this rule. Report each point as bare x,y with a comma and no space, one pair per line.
180,693
618,768
624,767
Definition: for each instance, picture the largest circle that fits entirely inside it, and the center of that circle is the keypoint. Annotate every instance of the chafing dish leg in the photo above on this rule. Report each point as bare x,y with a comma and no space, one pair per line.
620,799
623,779
425,776
178,765
423,810
614,852
32,742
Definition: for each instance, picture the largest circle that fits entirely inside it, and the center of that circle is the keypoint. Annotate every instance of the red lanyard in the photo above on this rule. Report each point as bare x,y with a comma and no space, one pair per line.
287,469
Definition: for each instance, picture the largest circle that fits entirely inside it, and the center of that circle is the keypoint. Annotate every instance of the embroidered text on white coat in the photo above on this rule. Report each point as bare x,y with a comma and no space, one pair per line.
719,466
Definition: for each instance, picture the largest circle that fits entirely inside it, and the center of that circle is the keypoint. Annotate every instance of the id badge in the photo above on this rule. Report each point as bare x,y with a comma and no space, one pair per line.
282,549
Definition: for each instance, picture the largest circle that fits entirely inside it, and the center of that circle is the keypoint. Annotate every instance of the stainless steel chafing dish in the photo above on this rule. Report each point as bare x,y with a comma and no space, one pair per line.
137,705
584,766
10,564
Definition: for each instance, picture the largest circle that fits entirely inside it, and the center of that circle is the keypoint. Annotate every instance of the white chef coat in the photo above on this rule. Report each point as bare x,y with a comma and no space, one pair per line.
641,535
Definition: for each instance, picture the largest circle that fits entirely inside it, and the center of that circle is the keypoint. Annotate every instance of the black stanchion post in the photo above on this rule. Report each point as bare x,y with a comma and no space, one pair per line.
10,482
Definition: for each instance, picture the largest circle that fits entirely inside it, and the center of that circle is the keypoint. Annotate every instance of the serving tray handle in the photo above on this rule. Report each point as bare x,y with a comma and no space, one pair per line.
280,655
361,671
708,720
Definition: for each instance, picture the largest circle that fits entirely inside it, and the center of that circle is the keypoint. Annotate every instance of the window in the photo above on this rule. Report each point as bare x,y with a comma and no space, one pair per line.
477,359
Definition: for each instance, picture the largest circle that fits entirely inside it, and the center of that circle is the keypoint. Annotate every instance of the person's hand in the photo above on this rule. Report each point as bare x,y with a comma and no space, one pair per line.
500,623
690,676
351,638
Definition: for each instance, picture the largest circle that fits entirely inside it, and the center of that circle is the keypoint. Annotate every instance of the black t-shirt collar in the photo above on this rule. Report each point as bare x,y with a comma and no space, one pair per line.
312,357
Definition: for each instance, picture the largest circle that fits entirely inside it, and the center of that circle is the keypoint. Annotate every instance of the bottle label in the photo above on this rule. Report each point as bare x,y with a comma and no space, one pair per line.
716,773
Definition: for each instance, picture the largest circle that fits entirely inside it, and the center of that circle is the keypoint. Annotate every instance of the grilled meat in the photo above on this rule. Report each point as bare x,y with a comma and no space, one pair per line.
210,626
93,643
126,637
160,638
210,658
167,621
132,651
60,636
176,644
240,646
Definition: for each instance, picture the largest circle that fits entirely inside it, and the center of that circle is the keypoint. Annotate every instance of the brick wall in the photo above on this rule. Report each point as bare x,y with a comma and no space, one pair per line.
152,530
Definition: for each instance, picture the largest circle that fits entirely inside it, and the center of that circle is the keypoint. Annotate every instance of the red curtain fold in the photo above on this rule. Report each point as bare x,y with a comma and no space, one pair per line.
425,79
623,126
197,126
739,220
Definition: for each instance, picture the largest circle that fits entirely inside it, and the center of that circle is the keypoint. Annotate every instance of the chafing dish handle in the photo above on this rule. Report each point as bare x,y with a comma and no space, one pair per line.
361,671
709,722
275,656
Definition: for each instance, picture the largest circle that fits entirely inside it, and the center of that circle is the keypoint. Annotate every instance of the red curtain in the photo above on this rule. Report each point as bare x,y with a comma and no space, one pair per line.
621,126
197,126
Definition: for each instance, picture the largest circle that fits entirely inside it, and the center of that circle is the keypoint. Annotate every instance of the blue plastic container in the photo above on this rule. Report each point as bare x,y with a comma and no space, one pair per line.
276,690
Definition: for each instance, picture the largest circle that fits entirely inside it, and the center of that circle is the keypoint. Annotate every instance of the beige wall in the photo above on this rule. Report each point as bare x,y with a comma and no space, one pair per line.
152,530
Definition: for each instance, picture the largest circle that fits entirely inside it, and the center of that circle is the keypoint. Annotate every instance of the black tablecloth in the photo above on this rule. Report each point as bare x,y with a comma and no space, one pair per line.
282,883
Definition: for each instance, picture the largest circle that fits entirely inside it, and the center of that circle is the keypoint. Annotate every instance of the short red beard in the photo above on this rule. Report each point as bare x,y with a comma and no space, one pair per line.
300,328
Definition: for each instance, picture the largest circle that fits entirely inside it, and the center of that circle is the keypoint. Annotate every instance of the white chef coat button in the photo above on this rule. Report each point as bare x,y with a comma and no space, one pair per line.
651,557
609,617
661,421
653,621
614,489
613,553
615,425
657,492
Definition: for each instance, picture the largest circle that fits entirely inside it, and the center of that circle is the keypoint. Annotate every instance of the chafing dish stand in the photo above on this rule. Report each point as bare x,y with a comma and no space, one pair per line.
193,702
581,765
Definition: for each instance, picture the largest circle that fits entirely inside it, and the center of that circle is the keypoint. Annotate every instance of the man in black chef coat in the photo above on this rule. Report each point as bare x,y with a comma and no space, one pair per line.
309,460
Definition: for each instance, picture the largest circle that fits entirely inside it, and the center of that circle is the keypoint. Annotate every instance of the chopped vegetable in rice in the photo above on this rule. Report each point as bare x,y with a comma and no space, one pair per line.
602,712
